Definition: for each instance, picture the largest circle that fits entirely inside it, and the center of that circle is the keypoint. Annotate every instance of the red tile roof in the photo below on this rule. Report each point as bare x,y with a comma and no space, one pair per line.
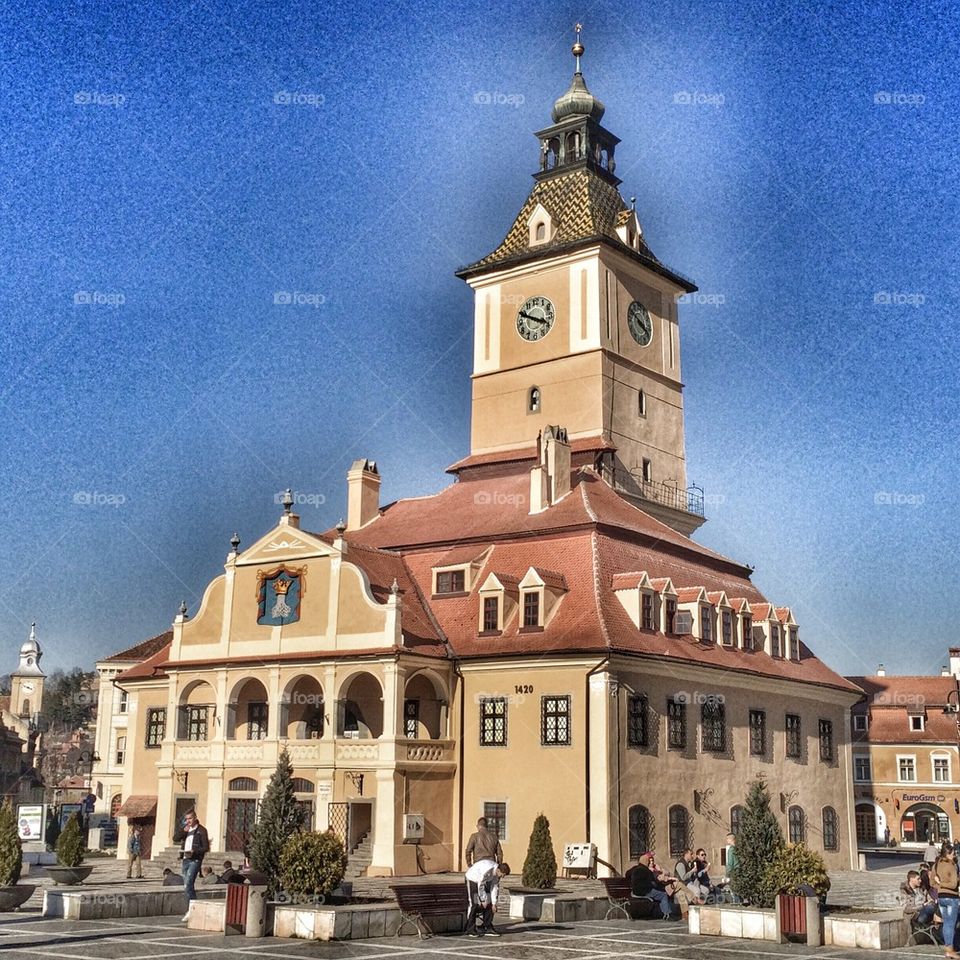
143,650
689,594
147,669
891,700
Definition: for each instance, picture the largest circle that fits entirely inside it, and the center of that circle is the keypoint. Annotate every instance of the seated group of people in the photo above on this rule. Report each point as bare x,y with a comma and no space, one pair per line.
207,876
690,882
931,896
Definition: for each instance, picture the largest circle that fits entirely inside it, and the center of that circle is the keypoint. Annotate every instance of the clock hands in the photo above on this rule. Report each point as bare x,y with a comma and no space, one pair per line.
530,316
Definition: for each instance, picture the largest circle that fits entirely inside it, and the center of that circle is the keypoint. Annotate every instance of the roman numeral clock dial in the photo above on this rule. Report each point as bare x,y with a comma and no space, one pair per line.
535,318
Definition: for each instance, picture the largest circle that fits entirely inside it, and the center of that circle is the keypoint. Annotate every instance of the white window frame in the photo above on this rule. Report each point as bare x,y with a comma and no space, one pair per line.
917,716
912,757
869,760
857,717
934,757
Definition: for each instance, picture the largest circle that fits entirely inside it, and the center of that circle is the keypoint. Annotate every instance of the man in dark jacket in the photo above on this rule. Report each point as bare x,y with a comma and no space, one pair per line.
483,845
645,883
194,846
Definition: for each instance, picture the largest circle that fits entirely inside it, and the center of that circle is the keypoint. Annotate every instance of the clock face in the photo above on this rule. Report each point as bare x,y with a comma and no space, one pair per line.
535,318
28,688
639,322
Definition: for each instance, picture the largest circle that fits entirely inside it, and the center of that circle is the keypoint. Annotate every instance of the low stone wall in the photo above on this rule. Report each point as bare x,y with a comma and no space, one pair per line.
110,903
747,923
883,932
358,921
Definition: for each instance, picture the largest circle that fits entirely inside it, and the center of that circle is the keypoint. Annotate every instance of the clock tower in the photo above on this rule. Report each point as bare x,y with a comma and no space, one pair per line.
26,682
575,324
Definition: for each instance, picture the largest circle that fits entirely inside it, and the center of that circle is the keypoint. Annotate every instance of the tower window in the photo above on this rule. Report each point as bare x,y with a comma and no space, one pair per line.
647,470
533,400
541,232
641,404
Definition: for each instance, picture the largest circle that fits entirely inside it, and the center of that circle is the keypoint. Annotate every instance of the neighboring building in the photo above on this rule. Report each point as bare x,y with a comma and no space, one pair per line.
21,710
541,635
110,737
906,764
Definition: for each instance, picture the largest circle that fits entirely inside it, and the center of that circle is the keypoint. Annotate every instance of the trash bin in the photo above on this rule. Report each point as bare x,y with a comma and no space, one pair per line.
235,914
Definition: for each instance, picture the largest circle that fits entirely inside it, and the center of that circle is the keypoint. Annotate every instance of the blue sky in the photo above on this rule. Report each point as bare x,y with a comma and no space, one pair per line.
168,169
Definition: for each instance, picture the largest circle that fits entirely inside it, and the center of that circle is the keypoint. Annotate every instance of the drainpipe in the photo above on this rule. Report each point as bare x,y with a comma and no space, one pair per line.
586,748
459,837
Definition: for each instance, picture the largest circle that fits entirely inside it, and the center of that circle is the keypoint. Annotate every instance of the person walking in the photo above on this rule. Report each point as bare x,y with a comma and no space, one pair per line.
948,890
483,889
483,845
194,846
135,849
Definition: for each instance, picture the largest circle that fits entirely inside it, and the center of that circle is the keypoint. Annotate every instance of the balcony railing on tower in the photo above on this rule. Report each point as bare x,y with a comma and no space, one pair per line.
689,500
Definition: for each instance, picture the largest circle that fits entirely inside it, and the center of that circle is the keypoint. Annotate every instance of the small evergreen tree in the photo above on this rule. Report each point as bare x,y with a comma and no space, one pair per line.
70,847
759,840
280,817
540,867
11,853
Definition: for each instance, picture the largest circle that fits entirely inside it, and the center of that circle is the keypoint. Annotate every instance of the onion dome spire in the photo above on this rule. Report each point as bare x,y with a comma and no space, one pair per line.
578,101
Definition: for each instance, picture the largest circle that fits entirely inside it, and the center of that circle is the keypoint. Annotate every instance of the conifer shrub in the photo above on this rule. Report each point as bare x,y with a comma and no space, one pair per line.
11,852
312,864
70,848
759,840
281,816
540,866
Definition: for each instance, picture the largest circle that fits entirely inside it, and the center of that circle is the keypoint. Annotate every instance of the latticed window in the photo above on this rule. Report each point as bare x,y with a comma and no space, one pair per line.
450,581
156,726
638,818
727,628
197,722
794,747
713,718
736,815
671,610
243,784
257,721
797,825
493,722
638,733
555,720
531,609
491,613
411,719
302,785
679,830
676,725
646,607
826,741
758,733
774,640
747,633
496,817
830,838
706,624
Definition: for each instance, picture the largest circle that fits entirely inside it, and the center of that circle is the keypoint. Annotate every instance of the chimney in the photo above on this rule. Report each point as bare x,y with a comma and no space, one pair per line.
880,671
363,493
945,671
954,661
550,478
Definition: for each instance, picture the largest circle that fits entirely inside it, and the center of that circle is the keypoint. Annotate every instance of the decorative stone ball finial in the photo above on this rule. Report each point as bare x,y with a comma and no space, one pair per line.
395,587
287,500
341,526
235,542
183,608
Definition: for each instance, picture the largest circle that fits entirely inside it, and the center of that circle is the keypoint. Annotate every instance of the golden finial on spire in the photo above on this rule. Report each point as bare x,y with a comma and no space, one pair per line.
577,48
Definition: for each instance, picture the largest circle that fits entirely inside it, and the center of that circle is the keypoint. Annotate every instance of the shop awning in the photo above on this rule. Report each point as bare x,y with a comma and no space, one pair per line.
136,808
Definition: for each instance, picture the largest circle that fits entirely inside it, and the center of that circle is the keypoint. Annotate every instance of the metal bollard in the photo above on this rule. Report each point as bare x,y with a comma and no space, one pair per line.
256,910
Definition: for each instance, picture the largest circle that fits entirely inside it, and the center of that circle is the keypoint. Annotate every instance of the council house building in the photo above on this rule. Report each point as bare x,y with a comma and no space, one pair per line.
542,635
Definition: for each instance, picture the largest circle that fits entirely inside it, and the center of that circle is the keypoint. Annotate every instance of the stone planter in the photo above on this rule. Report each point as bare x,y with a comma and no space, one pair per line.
69,876
871,932
12,898
526,903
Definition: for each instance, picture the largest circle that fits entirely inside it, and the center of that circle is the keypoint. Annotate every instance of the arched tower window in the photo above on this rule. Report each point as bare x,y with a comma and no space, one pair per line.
533,400
541,232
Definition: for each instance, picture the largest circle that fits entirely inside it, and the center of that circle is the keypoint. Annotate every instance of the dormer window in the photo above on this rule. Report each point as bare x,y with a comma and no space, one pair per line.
726,628
540,226
646,610
774,640
491,614
540,232
451,581
533,400
747,632
860,722
916,722
670,615
706,624
531,608
794,635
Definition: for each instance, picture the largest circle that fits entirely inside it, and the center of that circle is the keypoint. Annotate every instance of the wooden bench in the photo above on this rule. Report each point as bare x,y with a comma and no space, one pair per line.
418,901
619,895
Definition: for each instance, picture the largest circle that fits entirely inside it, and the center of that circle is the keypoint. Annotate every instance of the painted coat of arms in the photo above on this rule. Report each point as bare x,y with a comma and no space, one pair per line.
279,592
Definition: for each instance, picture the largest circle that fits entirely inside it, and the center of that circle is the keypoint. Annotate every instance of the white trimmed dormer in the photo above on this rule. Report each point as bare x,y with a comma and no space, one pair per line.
693,605
499,599
767,623
540,226
668,604
790,633
457,571
742,623
726,629
629,229
639,598
540,594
